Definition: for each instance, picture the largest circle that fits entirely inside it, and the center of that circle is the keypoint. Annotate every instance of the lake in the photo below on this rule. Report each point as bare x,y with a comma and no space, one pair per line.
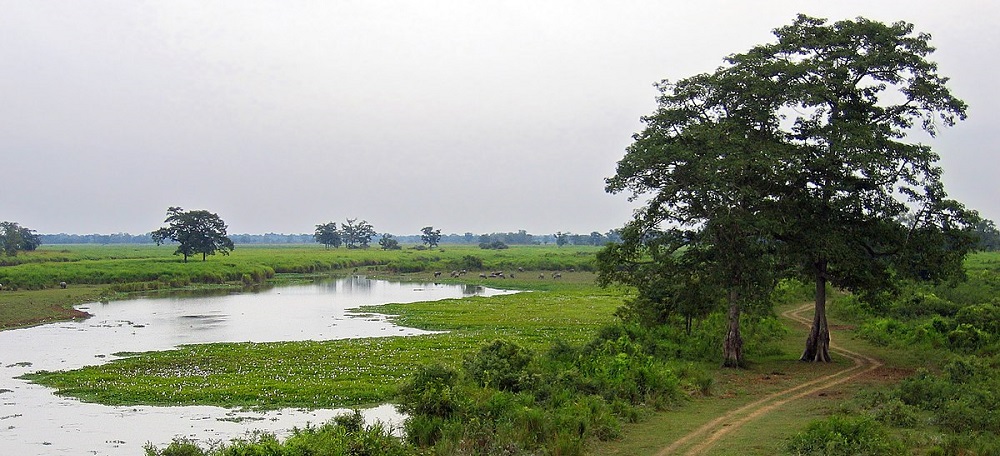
35,421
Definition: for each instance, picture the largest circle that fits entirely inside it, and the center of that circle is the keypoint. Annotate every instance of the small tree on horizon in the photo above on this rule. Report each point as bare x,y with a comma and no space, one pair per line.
328,235
357,235
196,232
430,236
389,242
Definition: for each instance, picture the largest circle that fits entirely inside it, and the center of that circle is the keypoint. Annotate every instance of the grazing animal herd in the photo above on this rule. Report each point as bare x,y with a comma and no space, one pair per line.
498,274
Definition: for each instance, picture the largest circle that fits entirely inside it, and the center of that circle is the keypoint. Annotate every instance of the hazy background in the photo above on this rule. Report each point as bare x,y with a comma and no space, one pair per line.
475,117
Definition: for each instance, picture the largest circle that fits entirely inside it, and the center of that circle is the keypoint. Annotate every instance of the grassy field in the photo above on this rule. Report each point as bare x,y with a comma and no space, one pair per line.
111,272
364,371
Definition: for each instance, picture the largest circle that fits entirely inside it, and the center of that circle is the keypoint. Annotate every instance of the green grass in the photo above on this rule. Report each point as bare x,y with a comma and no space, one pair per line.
154,267
27,308
31,280
363,371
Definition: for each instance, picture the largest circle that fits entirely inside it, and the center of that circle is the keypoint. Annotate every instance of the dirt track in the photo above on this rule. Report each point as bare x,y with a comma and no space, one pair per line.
701,439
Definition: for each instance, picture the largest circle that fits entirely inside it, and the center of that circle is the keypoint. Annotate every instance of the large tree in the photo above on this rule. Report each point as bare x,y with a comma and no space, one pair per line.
798,150
861,203
195,232
705,164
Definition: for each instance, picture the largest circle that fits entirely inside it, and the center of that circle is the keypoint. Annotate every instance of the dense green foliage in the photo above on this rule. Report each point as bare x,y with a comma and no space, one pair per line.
950,404
507,397
846,436
15,238
328,235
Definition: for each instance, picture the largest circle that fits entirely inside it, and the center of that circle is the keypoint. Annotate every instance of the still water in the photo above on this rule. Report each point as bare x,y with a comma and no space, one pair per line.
33,421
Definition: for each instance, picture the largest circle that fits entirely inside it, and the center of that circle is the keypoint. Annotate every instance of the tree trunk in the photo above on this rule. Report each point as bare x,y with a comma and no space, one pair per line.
732,347
818,342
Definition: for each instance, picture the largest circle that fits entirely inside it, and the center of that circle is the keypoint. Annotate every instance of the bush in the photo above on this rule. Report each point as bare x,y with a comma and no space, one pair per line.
848,436
922,303
985,317
430,392
501,365
470,262
179,447
495,245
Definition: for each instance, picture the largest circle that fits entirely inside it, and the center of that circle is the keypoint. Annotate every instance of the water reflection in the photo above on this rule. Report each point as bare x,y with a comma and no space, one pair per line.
34,421
471,290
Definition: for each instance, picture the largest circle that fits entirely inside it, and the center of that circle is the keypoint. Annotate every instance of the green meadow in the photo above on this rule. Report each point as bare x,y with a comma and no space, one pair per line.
938,341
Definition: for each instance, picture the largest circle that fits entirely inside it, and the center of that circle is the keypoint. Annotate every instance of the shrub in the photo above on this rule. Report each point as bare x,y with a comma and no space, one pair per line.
470,262
179,447
430,391
894,412
502,365
495,245
848,436
985,317
922,303
967,338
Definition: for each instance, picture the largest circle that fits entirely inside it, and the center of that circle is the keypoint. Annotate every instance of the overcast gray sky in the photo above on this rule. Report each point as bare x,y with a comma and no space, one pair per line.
471,116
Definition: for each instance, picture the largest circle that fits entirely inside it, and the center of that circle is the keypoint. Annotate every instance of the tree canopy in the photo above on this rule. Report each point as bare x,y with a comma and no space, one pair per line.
15,238
328,235
430,236
389,242
357,234
195,232
795,158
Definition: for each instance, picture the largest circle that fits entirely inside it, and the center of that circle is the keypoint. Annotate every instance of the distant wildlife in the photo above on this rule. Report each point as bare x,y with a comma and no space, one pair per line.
62,284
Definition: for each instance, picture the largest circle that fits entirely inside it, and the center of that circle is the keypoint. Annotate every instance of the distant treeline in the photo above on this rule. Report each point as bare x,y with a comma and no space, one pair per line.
512,238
